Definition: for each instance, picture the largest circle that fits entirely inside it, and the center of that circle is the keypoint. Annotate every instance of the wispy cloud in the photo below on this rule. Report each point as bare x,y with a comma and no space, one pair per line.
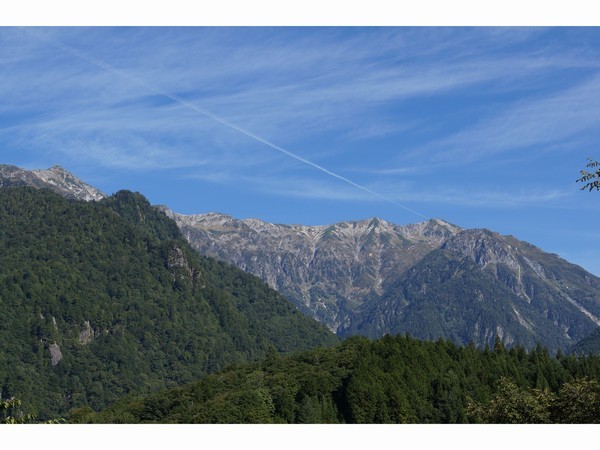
537,121
492,199
411,192
481,121
318,92
285,89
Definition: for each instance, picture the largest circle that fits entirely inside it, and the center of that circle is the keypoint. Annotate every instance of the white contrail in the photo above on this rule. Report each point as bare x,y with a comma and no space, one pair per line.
109,68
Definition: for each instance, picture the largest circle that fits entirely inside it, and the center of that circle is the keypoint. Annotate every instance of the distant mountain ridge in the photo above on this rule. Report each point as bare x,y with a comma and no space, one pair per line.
431,279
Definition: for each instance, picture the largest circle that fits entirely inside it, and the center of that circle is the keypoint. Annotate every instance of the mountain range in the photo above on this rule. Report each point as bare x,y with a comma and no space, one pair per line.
327,271
432,279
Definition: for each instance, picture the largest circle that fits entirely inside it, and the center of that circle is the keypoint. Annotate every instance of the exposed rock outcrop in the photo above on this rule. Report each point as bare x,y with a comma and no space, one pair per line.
55,354
86,335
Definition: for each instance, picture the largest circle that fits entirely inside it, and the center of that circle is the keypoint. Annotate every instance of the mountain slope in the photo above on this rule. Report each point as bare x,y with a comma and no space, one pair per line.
480,284
101,299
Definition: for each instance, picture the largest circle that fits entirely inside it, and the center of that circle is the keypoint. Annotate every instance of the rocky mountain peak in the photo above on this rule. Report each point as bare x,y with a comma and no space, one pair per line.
484,247
55,178
57,168
165,209
435,231
211,221
5,169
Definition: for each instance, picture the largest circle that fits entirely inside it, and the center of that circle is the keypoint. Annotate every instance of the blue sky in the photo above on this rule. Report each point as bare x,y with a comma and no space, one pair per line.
483,127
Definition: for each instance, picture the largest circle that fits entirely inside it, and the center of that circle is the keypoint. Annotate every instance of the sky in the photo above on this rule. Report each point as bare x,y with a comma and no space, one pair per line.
484,127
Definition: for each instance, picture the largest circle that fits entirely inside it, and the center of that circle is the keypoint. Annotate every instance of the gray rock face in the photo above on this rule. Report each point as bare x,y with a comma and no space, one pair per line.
483,247
86,335
55,178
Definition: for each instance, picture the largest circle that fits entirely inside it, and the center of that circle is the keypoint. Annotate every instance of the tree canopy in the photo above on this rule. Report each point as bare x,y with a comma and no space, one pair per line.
395,379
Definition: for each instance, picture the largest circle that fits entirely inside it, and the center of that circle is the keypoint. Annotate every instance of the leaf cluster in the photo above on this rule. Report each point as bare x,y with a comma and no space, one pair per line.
576,402
11,413
591,179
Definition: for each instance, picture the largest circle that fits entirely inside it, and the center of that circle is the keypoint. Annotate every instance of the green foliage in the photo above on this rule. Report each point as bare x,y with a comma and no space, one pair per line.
590,178
391,380
513,405
131,307
10,412
577,402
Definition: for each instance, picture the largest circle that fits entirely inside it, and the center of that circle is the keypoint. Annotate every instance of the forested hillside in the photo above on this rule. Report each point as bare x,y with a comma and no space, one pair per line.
106,298
391,380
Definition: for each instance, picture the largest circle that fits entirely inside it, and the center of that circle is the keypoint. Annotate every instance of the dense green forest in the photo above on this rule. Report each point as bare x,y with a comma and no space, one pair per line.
391,380
102,299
